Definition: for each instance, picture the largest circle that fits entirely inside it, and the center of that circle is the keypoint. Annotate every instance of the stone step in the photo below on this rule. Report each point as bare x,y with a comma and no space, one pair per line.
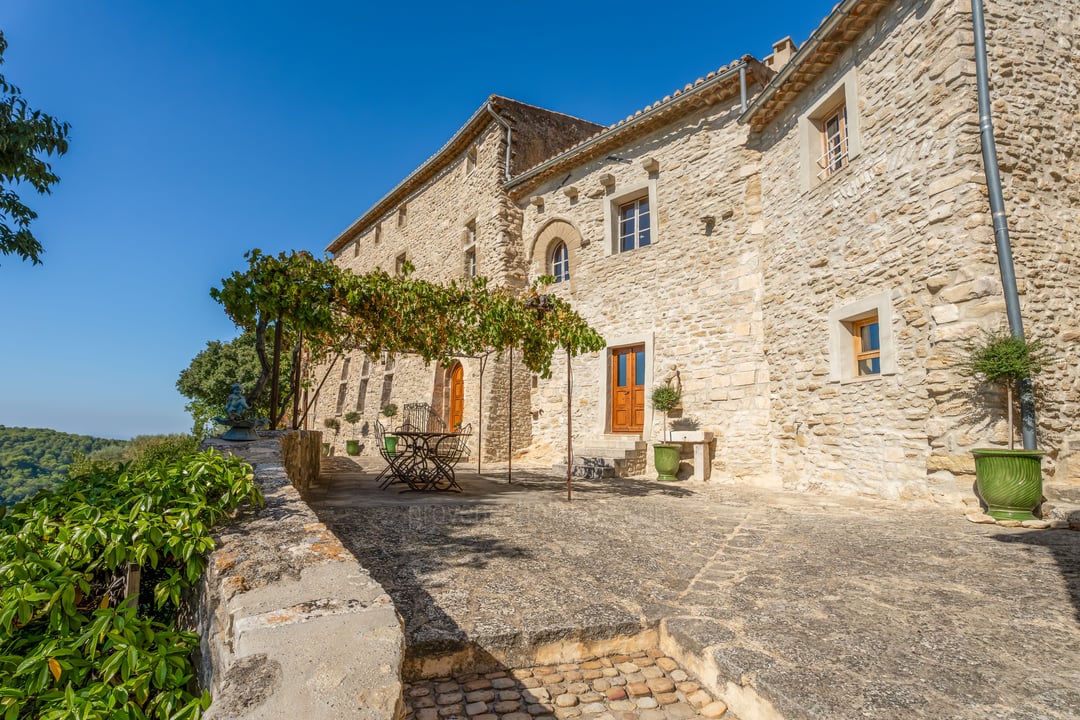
616,442
587,472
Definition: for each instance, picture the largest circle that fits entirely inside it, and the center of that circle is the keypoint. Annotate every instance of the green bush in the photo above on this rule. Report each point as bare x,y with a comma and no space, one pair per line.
69,645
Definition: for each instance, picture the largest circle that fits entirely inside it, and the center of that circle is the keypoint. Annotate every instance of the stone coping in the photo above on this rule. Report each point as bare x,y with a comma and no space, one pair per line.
292,626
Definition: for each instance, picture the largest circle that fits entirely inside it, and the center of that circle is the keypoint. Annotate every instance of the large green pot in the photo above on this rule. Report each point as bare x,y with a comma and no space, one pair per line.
352,447
1009,481
391,443
666,459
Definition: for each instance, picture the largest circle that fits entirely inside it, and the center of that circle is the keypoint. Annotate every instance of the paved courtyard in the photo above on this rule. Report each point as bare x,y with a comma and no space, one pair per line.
797,605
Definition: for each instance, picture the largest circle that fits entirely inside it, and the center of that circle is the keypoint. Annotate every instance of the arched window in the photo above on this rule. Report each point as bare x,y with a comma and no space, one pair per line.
560,262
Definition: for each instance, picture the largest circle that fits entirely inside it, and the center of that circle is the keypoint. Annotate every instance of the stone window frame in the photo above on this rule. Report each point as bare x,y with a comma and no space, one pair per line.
343,387
619,197
365,376
470,161
842,94
390,365
402,215
468,243
399,264
843,319
553,232
378,232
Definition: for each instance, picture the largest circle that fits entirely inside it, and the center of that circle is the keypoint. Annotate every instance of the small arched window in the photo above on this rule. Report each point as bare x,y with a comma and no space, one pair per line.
560,262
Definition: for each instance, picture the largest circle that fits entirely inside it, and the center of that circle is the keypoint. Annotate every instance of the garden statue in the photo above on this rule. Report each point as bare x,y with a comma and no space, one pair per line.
238,417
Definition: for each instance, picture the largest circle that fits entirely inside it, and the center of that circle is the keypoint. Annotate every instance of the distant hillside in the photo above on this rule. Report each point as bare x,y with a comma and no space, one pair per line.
33,459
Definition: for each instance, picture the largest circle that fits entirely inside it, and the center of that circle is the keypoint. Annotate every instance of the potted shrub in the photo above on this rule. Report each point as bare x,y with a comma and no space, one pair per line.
331,424
352,447
389,410
1009,480
665,398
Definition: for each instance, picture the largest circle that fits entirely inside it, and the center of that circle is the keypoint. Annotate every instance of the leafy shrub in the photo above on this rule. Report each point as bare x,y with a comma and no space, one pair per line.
69,645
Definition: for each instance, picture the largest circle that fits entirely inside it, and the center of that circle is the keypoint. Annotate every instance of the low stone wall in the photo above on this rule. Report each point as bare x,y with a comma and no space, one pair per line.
291,624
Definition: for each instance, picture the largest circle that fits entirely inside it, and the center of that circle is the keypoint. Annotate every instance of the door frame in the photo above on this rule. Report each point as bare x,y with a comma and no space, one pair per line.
602,423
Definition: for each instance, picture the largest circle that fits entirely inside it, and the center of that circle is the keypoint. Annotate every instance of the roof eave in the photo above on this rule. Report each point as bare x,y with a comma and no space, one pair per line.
536,175
823,33
472,128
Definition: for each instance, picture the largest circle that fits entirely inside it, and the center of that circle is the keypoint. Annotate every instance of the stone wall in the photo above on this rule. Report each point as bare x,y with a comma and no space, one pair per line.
693,296
753,266
1035,85
462,207
291,624
908,218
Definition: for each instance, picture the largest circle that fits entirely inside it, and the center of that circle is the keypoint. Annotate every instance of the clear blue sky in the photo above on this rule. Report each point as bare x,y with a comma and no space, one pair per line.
203,129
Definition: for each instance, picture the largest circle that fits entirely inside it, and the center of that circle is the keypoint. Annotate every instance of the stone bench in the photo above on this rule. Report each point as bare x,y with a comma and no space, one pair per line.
702,442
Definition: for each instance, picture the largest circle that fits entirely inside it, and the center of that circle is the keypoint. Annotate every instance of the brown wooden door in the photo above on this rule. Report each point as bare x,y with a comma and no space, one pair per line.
628,389
457,396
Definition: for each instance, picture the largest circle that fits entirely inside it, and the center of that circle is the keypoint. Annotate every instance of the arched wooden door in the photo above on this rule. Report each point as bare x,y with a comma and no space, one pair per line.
457,396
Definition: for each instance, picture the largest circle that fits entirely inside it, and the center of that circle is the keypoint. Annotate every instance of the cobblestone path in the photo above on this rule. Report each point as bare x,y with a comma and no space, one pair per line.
637,686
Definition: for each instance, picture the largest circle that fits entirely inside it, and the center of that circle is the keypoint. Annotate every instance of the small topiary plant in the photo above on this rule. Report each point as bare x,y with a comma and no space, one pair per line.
332,424
352,417
999,358
665,398
389,410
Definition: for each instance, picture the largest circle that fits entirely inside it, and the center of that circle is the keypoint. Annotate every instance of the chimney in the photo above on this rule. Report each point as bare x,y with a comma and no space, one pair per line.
782,50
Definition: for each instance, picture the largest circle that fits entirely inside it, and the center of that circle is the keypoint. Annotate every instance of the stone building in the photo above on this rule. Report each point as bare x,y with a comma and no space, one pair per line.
804,244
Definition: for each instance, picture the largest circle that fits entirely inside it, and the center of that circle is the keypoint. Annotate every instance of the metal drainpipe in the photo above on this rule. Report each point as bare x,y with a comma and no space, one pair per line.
742,85
509,135
1001,224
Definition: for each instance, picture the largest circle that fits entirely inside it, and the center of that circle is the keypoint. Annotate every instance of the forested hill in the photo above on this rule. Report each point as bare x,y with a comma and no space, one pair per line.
32,459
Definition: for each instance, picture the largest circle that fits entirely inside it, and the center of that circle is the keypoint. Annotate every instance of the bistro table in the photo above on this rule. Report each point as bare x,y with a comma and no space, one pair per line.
426,460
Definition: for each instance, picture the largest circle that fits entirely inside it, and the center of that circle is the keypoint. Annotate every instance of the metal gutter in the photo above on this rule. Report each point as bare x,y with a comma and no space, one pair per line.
1001,222
739,69
812,43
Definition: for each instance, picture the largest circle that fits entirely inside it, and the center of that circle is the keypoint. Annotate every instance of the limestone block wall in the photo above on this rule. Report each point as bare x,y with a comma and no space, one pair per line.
892,224
692,297
908,218
461,210
1034,59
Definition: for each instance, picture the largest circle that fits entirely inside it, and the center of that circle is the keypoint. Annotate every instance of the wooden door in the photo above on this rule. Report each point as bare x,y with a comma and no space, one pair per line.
457,396
628,389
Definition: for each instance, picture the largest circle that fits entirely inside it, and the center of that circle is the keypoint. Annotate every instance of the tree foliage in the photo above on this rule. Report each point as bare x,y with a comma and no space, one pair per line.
69,646
26,135
34,459
334,310
206,381
999,358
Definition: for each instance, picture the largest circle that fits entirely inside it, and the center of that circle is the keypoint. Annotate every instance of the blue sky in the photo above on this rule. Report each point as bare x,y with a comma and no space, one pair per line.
203,129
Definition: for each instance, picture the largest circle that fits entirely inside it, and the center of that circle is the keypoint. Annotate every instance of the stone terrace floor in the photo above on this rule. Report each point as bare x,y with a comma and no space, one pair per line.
826,607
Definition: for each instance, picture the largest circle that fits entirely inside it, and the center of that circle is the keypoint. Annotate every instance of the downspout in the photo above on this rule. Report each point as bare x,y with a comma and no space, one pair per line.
1001,225
742,86
509,134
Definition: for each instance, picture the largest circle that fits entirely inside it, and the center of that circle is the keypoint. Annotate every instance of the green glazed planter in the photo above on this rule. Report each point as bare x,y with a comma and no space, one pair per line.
326,449
391,443
666,459
1009,481
352,447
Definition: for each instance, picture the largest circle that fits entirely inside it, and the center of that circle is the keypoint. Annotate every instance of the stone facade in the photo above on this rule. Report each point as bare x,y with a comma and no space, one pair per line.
758,267
452,208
